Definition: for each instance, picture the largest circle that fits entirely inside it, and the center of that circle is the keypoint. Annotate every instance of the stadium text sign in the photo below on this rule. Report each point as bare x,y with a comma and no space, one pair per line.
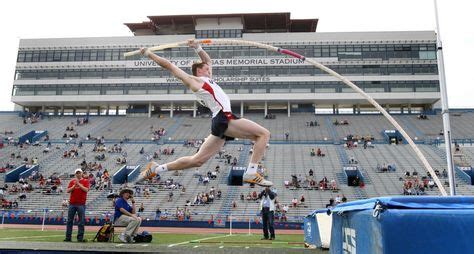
230,62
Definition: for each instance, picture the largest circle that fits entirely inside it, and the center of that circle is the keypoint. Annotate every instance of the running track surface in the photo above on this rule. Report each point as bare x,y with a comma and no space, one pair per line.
174,230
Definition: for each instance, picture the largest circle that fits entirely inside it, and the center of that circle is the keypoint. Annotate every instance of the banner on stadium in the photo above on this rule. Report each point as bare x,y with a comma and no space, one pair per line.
185,62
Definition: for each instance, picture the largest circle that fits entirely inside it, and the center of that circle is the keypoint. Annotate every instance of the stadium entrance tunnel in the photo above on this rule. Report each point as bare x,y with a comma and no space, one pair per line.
354,176
393,137
125,174
32,136
23,171
236,175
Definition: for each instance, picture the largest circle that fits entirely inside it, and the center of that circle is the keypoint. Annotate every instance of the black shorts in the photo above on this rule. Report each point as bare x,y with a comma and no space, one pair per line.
220,123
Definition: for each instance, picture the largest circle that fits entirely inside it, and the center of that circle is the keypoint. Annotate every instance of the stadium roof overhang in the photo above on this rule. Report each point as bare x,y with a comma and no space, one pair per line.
252,23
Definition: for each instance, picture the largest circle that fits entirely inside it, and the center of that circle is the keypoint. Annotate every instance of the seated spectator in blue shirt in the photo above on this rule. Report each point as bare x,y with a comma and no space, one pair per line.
125,215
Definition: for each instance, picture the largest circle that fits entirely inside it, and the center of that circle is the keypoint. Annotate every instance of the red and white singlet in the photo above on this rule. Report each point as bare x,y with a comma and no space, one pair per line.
212,96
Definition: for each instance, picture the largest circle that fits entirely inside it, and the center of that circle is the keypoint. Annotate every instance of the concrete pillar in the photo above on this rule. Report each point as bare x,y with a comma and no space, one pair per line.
354,109
387,107
42,108
171,109
194,109
409,108
358,109
335,109
62,110
265,110
289,108
98,110
107,110
74,111
117,110
241,109
88,109
149,109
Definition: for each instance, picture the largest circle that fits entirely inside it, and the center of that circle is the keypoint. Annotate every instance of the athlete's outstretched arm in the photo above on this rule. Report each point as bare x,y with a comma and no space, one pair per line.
188,80
205,58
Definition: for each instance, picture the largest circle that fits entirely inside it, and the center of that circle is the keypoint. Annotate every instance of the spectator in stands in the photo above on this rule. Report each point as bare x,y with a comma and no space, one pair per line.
78,187
125,215
343,199
157,213
142,208
352,160
267,208
294,202
331,203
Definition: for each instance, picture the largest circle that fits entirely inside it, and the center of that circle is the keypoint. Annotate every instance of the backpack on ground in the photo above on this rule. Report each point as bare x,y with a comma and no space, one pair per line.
143,237
105,233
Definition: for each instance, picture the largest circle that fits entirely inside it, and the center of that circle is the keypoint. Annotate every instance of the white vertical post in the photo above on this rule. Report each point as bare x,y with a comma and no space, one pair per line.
265,110
44,218
171,109
242,109
194,109
289,108
250,219
445,108
149,109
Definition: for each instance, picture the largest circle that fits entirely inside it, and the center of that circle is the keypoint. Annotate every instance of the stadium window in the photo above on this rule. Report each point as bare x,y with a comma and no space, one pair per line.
86,55
21,57
35,57
115,54
101,55
42,57
28,56
108,55
49,56
78,56
93,55
64,56
71,55
325,51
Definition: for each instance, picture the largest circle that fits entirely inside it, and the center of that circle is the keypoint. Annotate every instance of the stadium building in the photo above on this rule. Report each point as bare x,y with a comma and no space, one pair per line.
90,75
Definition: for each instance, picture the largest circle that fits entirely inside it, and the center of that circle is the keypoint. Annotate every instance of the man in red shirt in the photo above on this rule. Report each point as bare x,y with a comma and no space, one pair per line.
78,187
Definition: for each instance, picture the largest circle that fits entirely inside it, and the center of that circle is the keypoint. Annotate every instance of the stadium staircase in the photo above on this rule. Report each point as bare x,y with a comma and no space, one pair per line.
172,130
332,131
408,124
442,155
359,192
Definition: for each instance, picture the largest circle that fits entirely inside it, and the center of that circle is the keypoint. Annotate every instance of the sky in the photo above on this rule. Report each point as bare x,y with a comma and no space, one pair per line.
27,19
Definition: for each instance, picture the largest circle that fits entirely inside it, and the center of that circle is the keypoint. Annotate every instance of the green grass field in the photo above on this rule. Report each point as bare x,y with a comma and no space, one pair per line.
164,239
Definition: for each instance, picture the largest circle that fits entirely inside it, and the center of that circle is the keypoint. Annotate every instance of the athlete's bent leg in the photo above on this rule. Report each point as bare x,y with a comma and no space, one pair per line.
244,128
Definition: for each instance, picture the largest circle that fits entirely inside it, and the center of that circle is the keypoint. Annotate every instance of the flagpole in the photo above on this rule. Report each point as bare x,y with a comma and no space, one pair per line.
445,108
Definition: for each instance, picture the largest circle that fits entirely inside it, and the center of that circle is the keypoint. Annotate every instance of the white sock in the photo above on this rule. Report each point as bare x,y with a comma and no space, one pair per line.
252,168
161,168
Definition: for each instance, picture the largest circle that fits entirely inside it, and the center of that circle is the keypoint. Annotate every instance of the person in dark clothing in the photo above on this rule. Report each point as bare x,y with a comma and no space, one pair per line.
267,209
